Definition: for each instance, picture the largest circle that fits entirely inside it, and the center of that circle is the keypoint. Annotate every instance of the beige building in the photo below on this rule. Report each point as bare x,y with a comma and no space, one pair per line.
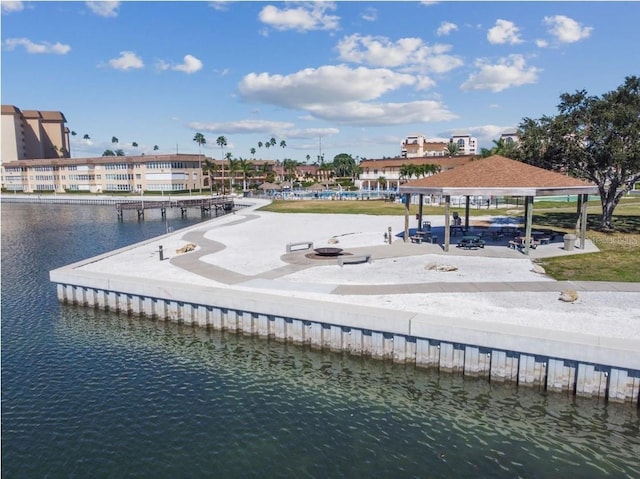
165,173
417,146
32,134
388,173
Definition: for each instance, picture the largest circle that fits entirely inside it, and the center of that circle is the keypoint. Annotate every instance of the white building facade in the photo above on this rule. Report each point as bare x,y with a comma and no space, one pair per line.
165,173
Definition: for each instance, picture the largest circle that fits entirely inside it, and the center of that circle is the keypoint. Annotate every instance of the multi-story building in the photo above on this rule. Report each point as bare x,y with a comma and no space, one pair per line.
417,146
389,174
32,134
509,136
179,172
467,144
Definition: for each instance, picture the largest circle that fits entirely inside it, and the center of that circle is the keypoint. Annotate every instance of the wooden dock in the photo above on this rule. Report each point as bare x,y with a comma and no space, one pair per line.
206,205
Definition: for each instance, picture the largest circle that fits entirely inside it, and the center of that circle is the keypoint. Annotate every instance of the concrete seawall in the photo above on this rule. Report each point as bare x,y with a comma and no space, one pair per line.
240,278
583,365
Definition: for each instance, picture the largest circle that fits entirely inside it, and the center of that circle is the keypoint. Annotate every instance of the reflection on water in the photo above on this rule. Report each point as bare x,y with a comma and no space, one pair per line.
90,393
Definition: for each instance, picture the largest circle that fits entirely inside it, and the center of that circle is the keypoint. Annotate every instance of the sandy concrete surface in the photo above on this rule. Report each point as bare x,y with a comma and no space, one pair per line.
253,244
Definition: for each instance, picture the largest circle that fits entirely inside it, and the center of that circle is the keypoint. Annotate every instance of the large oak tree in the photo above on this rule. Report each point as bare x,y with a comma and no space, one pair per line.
594,138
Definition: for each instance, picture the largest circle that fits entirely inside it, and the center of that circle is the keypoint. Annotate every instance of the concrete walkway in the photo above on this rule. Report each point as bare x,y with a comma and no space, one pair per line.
302,260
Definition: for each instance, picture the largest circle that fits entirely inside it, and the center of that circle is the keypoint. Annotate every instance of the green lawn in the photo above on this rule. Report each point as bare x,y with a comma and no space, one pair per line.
618,259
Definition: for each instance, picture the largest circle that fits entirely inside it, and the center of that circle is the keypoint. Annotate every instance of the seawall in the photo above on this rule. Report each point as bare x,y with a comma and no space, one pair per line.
577,364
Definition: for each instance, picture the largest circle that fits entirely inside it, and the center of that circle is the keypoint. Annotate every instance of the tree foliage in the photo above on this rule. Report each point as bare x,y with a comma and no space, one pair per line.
593,138
344,165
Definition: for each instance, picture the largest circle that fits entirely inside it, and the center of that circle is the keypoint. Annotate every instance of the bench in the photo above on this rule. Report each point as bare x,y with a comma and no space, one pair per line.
302,245
354,259
424,239
515,244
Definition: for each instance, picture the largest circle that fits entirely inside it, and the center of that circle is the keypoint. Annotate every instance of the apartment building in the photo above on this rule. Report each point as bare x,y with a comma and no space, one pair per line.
32,134
417,146
467,144
388,174
166,173
509,136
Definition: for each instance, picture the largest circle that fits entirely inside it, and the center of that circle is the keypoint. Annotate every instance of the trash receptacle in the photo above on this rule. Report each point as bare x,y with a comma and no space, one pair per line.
569,242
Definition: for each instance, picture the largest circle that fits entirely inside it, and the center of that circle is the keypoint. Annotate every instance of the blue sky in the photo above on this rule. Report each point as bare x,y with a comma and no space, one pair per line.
330,77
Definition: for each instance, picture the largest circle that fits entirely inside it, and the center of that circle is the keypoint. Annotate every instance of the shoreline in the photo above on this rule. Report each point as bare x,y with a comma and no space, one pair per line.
509,327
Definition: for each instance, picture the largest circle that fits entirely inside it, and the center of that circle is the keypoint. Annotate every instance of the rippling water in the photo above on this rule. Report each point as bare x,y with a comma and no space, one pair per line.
87,393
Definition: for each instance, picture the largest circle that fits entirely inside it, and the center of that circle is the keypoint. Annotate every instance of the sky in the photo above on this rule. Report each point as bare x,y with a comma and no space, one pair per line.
324,77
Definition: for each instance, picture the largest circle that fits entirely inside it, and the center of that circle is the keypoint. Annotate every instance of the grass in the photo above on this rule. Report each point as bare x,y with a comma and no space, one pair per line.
618,259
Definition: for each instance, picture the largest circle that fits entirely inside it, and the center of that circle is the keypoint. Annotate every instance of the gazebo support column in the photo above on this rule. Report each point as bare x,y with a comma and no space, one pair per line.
528,214
447,222
466,212
582,219
407,199
421,199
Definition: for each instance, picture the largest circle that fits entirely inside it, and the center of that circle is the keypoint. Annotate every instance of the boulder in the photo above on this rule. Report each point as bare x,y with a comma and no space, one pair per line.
186,248
568,296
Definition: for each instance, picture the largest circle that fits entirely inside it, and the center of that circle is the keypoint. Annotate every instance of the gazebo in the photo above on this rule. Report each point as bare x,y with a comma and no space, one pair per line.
498,176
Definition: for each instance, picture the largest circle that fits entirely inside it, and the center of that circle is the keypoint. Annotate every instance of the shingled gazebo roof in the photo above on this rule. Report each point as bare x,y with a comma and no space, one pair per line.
497,175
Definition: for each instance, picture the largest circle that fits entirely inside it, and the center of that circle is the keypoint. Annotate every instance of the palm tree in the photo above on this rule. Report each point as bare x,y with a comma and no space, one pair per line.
73,133
289,167
221,141
246,167
452,149
272,141
406,171
108,153
155,148
119,152
382,182
260,144
233,167
200,140
86,137
308,158
114,141
253,152
283,144
209,168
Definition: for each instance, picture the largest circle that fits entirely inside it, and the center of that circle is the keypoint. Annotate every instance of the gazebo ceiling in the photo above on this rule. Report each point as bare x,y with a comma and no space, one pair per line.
497,175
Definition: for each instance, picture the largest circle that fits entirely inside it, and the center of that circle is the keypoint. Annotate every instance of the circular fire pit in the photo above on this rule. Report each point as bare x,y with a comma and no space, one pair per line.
328,251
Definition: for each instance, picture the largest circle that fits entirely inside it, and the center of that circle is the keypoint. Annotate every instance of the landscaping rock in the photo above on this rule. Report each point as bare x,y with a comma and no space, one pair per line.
186,248
568,296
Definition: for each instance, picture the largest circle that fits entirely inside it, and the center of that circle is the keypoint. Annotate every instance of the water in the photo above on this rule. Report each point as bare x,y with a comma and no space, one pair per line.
87,393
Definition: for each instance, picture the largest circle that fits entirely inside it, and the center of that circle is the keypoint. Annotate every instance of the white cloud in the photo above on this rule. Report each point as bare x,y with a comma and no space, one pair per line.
509,72
541,43
190,65
11,7
566,30
221,6
244,126
379,114
43,47
126,61
343,94
446,28
305,17
504,32
411,53
104,9
326,84
370,14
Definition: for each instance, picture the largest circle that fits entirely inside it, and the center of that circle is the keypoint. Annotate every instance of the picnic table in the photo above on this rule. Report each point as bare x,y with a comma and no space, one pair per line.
471,242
